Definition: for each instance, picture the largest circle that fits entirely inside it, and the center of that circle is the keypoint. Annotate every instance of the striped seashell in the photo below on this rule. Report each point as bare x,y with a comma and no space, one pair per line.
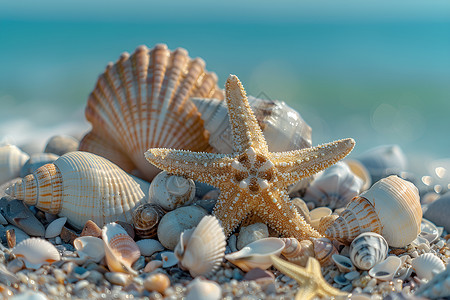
368,249
146,218
297,251
202,249
36,161
142,101
391,207
120,249
317,214
426,264
324,250
12,160
82,186
436,288
326,222
36,252
171,191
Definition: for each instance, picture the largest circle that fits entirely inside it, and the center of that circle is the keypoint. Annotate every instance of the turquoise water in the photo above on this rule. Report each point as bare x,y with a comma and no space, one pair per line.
378,81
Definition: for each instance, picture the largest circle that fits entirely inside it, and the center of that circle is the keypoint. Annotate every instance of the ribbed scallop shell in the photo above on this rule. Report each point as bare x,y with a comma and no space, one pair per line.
427,263
202,249
391,207
368,249
334,187
120,249
297,251
12,160
36,252
142,101
146,218
82,186
283,127
171,191
324,250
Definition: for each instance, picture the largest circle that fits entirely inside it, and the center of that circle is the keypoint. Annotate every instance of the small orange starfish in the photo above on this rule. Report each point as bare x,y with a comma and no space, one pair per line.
252,179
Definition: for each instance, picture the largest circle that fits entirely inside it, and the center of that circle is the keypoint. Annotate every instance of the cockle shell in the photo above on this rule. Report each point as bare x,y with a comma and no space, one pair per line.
12,160
142,101
146,218
82,186
256,254
91,247
171,191
297,251
324,250
426,264
120,249
436,288
36,161
334,187
202,249
391,207
368,249
36,252
385,270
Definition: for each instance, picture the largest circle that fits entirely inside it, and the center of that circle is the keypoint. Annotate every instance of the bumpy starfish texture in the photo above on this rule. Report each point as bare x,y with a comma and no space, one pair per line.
312,284
252,179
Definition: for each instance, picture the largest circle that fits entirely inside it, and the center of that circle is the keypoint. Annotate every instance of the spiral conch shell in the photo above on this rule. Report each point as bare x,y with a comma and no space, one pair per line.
142,101
82,186
391,207
146,218
297,251
368,249
171,191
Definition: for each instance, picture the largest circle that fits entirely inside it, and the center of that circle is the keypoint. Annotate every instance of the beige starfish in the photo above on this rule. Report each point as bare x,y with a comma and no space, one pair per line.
312,284
252,179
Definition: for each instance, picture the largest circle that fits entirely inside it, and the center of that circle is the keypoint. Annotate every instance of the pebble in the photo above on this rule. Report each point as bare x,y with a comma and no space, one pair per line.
118,278
157,282
251,234
82,284
61,144
352,275
18,214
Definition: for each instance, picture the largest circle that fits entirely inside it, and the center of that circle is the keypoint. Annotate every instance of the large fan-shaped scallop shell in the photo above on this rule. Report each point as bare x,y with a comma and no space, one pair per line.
426,264
36,252
202,249
82,186
12,160
146,218
142,101
368,249
391,207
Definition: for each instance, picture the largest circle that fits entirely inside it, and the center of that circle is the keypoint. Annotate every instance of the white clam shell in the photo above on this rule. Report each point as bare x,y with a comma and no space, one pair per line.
436,288
200,289
149,246
54,228
36,252
426,264
368,249
171,191
202,249
334,187
385,270
169,259
343,263
90,246
12,160
316,214
120,249
256,254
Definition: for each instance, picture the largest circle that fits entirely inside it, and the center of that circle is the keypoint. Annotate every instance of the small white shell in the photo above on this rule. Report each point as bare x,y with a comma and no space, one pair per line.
55,227
171,191
368,249
149,246
12,160
426,264
436,288
168,259
201,250
200,289
90,246
36,252
343,263
120,249
316,214
334,187
256,254
385,270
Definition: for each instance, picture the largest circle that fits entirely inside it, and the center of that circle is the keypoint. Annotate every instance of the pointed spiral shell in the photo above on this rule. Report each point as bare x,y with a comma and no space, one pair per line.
297,251
368,249
146,218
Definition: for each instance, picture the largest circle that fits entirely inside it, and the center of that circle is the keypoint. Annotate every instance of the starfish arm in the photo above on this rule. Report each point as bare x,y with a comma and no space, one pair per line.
280,214
295,165
244,126
209,168
231,208
324,289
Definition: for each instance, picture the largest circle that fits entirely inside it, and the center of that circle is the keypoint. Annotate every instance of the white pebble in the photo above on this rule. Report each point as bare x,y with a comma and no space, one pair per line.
80,285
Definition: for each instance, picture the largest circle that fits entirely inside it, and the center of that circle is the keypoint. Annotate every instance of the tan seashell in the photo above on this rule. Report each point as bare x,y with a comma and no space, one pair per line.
142,101
146,218
391,207
152,266
326,222
90,246
368,249
256,254
120,249
82,186
324,250
385,270
426,264
157,282
202,249
171,191
317,214
12,160
297,251
91,229
36,252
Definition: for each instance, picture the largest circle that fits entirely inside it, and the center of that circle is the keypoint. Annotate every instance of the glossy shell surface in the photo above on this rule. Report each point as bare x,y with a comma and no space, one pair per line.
368,249
297,251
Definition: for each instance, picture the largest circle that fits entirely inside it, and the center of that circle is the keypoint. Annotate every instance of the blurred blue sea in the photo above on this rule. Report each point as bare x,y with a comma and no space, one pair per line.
379,74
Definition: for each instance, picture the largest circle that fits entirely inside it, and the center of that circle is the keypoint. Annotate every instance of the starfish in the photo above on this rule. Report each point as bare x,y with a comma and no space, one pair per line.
312,284
252,179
